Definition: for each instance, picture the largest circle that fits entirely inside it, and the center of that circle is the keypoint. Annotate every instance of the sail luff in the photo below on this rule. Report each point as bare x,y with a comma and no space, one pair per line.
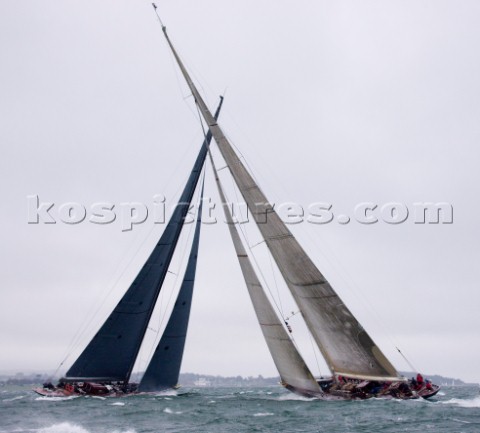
344,343
164,368
112,352
293,371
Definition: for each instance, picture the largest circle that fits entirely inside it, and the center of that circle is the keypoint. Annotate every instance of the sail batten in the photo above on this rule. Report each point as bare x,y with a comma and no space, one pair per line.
342,340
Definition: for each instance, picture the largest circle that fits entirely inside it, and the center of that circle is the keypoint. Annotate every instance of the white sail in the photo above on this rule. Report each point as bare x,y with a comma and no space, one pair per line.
293,371
345,345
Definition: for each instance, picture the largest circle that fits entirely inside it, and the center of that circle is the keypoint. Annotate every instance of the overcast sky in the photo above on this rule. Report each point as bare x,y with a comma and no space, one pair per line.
329,101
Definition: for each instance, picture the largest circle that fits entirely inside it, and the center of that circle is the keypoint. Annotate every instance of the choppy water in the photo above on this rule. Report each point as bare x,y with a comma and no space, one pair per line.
234,410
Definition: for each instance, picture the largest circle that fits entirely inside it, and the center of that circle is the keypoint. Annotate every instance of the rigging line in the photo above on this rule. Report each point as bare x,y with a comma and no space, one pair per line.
349,283
192,71
259,270
173,64
76,339
240,209
276,284
184,252
240,229
293,314
181,161
257,244
408,362
314,353
241,156
174,288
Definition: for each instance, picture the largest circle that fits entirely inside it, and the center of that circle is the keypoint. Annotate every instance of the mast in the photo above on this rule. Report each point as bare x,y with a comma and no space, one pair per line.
344,344
111,354
164,367
293,371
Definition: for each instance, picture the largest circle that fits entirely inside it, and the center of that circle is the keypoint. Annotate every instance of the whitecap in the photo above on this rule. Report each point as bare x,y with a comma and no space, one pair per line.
64,427
168,410
166,392
98,397
15,398
467,403
295,397
461,421
46,398
118,403
263,414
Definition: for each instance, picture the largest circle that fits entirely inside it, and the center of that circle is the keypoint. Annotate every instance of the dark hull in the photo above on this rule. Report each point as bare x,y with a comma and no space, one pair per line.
330,392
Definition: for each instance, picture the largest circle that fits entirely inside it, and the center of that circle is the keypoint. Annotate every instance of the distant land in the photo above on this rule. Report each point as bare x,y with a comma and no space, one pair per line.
204,380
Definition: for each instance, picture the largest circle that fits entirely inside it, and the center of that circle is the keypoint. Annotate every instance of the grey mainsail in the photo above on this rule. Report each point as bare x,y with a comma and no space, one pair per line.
345,345
111,354
164,368
292,368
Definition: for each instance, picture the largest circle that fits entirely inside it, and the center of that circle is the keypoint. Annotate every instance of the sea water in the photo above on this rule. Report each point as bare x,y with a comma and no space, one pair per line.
225,410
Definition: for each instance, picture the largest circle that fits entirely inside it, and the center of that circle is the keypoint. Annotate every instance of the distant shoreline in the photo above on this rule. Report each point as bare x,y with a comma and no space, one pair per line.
203,380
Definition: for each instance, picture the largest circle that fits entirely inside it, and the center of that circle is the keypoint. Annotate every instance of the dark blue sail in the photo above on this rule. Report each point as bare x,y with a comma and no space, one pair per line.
164,368
111,354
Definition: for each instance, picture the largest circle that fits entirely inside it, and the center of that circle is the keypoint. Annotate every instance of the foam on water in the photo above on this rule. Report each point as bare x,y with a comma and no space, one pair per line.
14,398
66,427
225,410
291,396
169,392
468,403
461,421
168,410
44,398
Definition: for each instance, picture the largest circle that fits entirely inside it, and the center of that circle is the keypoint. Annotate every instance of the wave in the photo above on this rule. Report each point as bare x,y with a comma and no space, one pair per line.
14,398
168,410
295,397
66,427
468,403
263,414
48,398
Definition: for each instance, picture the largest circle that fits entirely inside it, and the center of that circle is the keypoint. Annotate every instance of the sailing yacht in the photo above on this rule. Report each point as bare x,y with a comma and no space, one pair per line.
358,367
105,365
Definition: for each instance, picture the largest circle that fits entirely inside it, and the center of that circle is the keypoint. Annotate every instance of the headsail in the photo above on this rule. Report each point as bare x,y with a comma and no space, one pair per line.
164,368
345,345
292,368
111,354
